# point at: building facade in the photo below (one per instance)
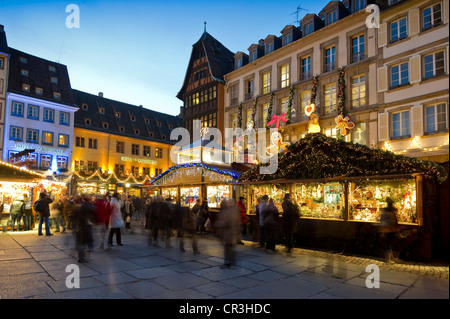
(39, 115)
(336, 62)
(118, 146)
(4, 64)
(202, 92)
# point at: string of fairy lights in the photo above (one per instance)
(417, 143)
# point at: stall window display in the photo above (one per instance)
(215, 194)
(188, 196)
(320, 200)
(367, 198)
(169, 192)
(276, 192)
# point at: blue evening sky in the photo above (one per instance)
(138, 51)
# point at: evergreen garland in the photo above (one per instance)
(269, 111)
(314, 89)
(341, 98)
(289, 108)
(254, 109)
(240, 116)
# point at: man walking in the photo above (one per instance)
(42, 206)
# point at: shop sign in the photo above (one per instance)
(39, 148)
(139, 160)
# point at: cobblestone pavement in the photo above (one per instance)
(35, 267)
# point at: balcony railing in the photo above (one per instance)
(329, 66)
(356, 57)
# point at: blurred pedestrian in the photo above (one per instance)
(388, 229)
(290, 220)
(263, 202)
(188, 229)
(241, 206)
(28, 213)
(155, 219)
(17, 211)
(103, 210)
(116, 222)
(84, 214)
(41, 206)
(202, 216)
(57, 212)
(228, 228)
(271, 215)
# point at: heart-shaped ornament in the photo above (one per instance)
(309, 109)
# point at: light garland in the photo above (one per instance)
(22, 169)
(388, 147)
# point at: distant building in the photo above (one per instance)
(119, 146)
(203, 87)
(39, 114)
(4, 64)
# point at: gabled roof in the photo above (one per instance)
(145, 120)
(39, 75)
(3, 43)
(220, 60)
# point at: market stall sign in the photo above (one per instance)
(139, 160)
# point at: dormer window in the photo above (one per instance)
(133, 118)
(170, 126)
(57, 95)
(51, 68)
(54, 80)
(121, 128)
(308, 28)
(137, 132)
(147, 121)
(87, 121)
(26, 87)
(253, 55)
(332, 17)
(24, 72)
(158, 123)
(287, 38)
(84, 106)
(269, 48)
(102, 110)
(39, 91)
(105, 125)
(118, 115)
(239, 63)
(23, 60)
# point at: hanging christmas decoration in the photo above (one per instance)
(276, 119)
(254, 109)
(240, 116)
(289, 106)
(310, 109)
(269, 110)
(343, 124)
(277, 144)
(341, 92)
(314, 89)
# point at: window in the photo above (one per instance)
(287, 39)
(398, 30)
(305, 71)
(234, 120)
(15, 133)
(64, 118)
(249, 89)
(118, 114)
(253, 56)
(284, 105)
(24, 72)
(84, 106)
(265, 112)
(119, 169)
(269, 48)
(101, 110)
(359, 91)
(17, 109)
(121, 128)
(436, 118)
(61, 162)
(357, 49)
(26, 87)
(305, 99)
(146, 151)
(63, 140)
(234, 94)
(359, 134)
(54, 80)
(399, 74)
(92, 143)
(284, 74)
(57, 95)
(330, 59)
(158, 123)
(23, 60)
(47, 138)
(135, 149)
(2, 63)
(433, 64)
(120, 147)
(79, 141)
(400, 124)
(332, 17)
(137, 131)
(51, 68)
(32, 136)
(33, 112)
(308, 29)
(330, 98)
(49, 115)
(359, 5)
(266, 82)
(133, 118)
(39, 91)
(432, 16)
(158, 152)
(46, 161)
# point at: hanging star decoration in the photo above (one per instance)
(276, 119)
(343, 124)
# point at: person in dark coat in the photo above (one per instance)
(188, 228)
(270, 214)
(84, 216)
(42, 207)
(155, 219)
(228, 229)
(28, 213)
(16, 211)
(290, 219)
(388, 228)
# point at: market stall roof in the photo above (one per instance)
(205, 143)
(317, 156)
(9, 172)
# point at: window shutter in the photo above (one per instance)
(417, 120)
(382, 79)
(446, 11)
(415, 75)
(383, 126)
(414, 22)
(382, 35)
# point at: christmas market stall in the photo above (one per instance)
(340, 189)
(16, 182)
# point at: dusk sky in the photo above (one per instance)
(138, 51)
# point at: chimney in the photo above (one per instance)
(100, 94)
(2, 28)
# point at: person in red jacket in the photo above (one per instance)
(241, 206)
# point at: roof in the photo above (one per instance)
(220, 59)
(131, 118)
(3, 43)
(39, 75)
(206, 144)
(317, 156)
